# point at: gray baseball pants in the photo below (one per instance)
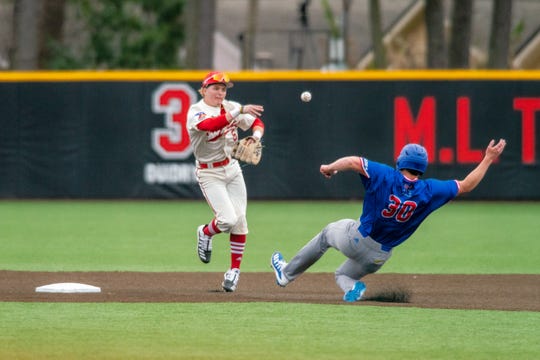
(364, 254)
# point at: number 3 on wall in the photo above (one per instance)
(173, 100)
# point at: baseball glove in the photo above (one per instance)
(248, 150)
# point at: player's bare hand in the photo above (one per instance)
(254, 110)
(327, 171)
(494, 150)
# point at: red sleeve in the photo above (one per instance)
(213, 124)
(258, 122)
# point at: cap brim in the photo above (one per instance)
(227, 85)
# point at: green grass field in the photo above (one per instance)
(463, 237)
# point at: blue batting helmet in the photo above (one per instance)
(414, 157)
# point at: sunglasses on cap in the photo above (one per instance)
(217, 77)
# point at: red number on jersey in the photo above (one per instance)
(400, 211)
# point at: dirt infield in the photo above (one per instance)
(488, 292)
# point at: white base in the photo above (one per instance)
(68, 288)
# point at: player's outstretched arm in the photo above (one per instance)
(352, 163)
(473, 179)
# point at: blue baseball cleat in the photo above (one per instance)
(278, 264)
(355, 293)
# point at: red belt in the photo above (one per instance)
(214, 165)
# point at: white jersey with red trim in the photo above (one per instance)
(214, 146)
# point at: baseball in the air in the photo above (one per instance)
(306, 96)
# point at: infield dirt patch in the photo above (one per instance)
(488, 292)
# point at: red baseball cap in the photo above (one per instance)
(217, 77)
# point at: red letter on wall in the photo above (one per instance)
(420, 130)
(528, 108)
(464, 153)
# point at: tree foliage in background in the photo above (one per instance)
(125, 34)
(330, 19)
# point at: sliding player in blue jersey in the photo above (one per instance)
(396, 202)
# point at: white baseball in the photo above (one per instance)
(306, 96)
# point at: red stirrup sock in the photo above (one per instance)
(238, 243)
(211, 229)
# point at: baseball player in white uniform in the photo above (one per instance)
(213, 124)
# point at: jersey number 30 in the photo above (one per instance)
(401, 211)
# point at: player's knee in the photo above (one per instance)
(227, 223)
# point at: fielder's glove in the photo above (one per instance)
(248, 150)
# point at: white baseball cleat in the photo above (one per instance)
(204, 245)
(230, 280)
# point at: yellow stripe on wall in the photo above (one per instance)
(279, 75)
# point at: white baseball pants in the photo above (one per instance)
(225, 192)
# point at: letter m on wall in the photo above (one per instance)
(411, 129)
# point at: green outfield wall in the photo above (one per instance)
(122, 134)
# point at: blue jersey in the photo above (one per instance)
(395, 206)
